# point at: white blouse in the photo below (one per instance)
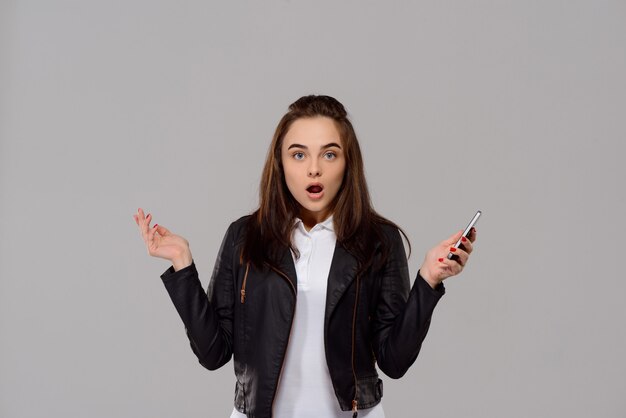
(305, 388)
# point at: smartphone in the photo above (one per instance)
(452, 256)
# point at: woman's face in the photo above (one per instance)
(314, 162)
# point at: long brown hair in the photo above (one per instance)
(356, 223)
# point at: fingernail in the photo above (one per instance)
(147, 215)
(463, 239)
(155, 225)
(441, 260)
(452, 249)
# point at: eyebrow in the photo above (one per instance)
(332, 144)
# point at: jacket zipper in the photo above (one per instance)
(243, 299)
(282, 363)
(356, 386)
(243, 285)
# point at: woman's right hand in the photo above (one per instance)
(160, 242)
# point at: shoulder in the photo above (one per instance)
(240, 223)
(389, 231)
(391, 237)
(237, 229)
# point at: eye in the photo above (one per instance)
(298, 155)
(330, 155)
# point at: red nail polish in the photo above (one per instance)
(155, 225)
(441, 260)
(452, 249)
(463, 239)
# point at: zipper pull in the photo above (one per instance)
(243, 285)
(354, 408)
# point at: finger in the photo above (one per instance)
(466, 245)
(449, 267)
(472, 234)
(162, 230)
(453, 238)
(446, 267)
(141, 215)
(153, 231)
(151, 237)
(461, 255)
(140, 218)
(138, 222)
(146, 224)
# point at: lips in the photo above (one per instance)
(315, 191)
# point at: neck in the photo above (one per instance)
(310, 219)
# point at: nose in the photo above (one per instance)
(314, 169)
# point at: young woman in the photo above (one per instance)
(312, 289)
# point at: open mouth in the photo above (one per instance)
(314, 189)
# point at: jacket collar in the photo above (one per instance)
(342, 272)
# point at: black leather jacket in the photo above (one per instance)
(375, 318)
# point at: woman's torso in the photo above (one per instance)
(305, 388)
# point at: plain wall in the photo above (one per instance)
(512, 107)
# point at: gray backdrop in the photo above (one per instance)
(514, 108)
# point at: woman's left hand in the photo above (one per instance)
(436, 267)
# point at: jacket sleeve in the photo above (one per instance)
(208, 317)
(402, 314)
